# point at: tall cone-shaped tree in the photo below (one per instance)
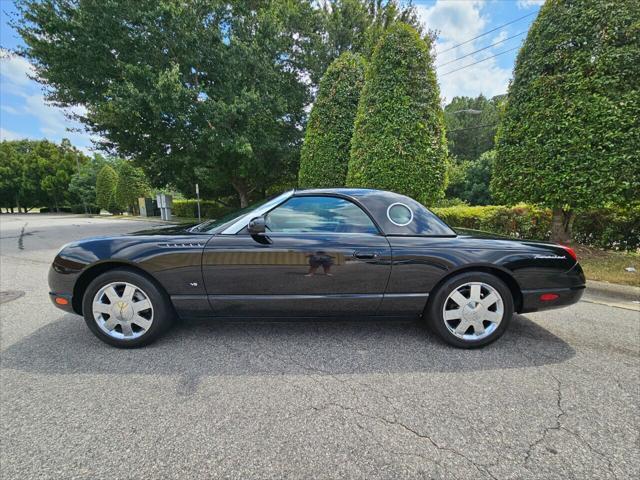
(106, 182)
(325, 153)
(570, 136)
(399, 142)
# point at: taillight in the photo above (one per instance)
(570, 251)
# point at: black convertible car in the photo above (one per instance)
(312, 253)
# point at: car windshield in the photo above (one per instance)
(218, 224)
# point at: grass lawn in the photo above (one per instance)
(609, 266)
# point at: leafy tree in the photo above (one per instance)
(357, 25)
(398, 142)
(10, 176)
(569, 138)
(37, 173)
(105, 189)
(469, 179)
(131, 185)
(471, 125)
(325, 153)
(209, 90)
(82, 186)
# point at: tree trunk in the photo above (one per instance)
(561, 225)
(243, 192)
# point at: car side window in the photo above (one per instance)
(309, 214)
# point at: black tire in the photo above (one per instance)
(163, 313)
(435, 316)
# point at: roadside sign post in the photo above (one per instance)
(198, 200)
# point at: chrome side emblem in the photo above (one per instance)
(193, 284)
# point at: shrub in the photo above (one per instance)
(325, 153)
(105, 188)
(522, 221)
(398, 142)
(609, 228)
(469, 179)
(569, 137)
(131, 185)
(606, 228)
(209, 209)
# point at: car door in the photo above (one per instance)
(320, 256)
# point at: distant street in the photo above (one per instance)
(557, 397)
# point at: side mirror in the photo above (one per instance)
(257, 226)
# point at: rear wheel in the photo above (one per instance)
(125, 309)
(470, 310)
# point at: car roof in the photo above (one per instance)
(377, 203)
(350, 192)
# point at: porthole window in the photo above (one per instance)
(399, 214)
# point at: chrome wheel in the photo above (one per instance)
(122, 310)
(473, 311)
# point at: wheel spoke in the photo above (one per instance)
(101, 307)
(141, 305)
(127, 295)
(112, 295)
(126, 329)
(459, 298)
(475, 292)
(453, 314)
(493, 317)
(478, 328)
(462, 327)
(111, 323)
(141, 322)
(489, 300)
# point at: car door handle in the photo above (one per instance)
(365, 255)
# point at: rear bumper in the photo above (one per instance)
(532, 302)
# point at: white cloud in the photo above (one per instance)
(10, 109)
(49, 121)
(9, 135)
(529, 3)
(457, 22)
(14, 69)
(500, 37)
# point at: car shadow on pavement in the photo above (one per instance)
(207, 348)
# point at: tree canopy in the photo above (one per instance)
(325, 153)
(106, 182)
(570, 136)
(209, 91)
(471, 125)
(131, 185)
(36, 173)
(399, 141)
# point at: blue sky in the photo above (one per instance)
(25, 114)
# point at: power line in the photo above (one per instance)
(480, 50)
(479, 61)
(488, 32)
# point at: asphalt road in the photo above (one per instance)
(556, 398)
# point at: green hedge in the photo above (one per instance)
(209, 209)
(607, 228)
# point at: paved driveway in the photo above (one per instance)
(556, 397)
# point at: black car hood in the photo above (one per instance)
(182, 229)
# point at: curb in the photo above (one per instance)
(613, 290)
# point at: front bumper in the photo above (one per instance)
(532, 301)
(58, 300)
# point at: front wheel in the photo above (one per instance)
(125, 309)
(470, 310)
